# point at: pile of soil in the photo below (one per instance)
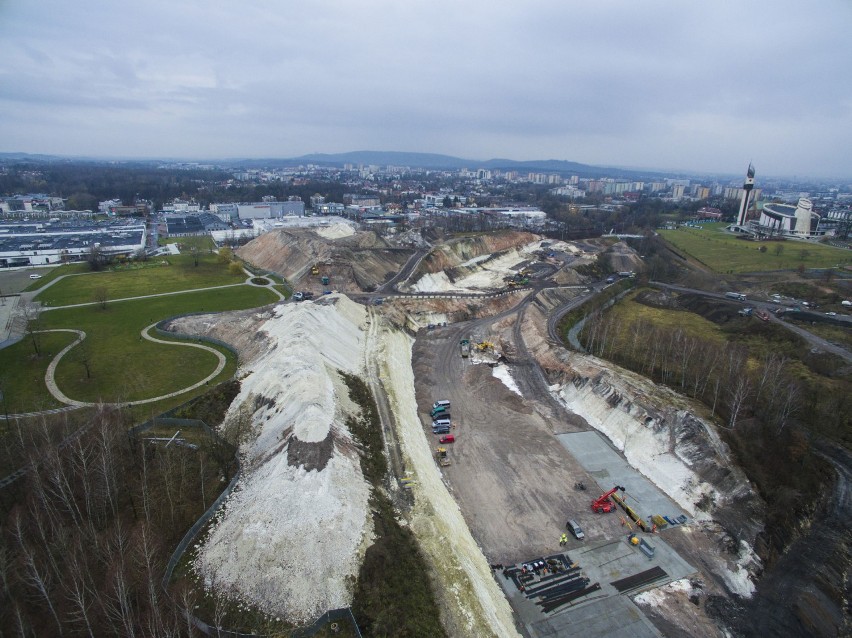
(353, 263)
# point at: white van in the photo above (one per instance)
(442, 403)
(437, 423)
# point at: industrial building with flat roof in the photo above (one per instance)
(37, 243)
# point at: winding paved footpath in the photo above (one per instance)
(71, 404)
(50, 381)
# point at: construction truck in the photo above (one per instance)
(315, 269)
(325, 280)
(603, 504)
(464, 345)
(441, 456)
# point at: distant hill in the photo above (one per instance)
(444, 162)
(431, 161)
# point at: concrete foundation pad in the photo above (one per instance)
(601, 460)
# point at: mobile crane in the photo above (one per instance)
(603, 504)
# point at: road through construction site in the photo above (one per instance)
(519, 450)
(514, 481)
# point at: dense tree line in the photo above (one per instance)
(86, 534)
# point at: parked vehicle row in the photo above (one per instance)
(441, 421)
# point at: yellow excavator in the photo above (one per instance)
(441, 456)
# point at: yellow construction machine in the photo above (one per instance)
(441, 456)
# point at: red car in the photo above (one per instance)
(447, 438)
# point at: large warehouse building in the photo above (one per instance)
(54, 242)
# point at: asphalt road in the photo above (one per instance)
(814, 340)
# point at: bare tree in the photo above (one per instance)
(34, 576)
(147, 561)
(789, 405)
(32, 316)
(187, 604)
(739, 393)
(101, 296)
(118, 604)
(80, 590)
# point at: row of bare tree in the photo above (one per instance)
(721, 375)
(86, 534)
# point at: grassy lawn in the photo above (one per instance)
(724, 253)
(22, 373)
(201, 242)
(49, 275)
(170, 274)
(628, 312)
(122, 366)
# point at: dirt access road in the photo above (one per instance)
(509, 474)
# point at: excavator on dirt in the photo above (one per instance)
(603, 504)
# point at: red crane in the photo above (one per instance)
(603, 504)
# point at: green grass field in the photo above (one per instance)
(123, 367)
(628, 312)
(160, 275)
(724, 253)
(22, 373)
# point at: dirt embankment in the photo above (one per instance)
(353, 263)
(622, 258)
(450, 256)
(666, 437)
(290, 538)
(414, 314)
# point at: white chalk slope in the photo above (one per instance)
(489, 275)
(288, 538)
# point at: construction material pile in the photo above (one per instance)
(292, 533)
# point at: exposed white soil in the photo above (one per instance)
(505, 375)
(656, 597)
(488, 274)
(677, 450)
(289, 540)
(335, 231)
(472, 602)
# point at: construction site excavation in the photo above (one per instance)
(548, 491)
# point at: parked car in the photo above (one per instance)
(575, 529)
(298, 296)
(447, 438)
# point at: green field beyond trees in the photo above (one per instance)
(724, 253)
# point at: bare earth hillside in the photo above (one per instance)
(353, 262)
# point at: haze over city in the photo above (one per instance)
(705, 87)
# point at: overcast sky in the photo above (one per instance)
(693, 86)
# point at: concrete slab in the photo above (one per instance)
(607, 612)
(605, 617)
(601, 460)
(607, 562)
